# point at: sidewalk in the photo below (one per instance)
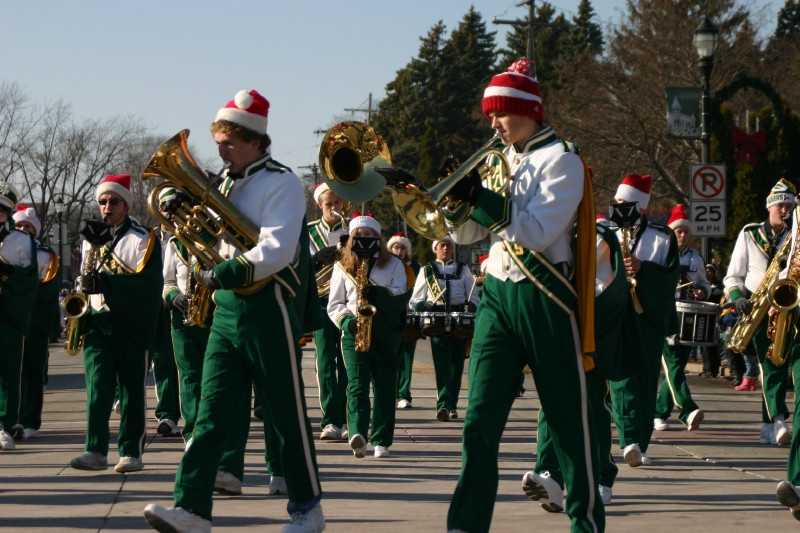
(717, 480)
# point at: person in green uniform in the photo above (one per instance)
(446, 286)
(124, 293)
(537, 302)
(545, 483)
(382, 286)
(254, 330)
(755, 248)
(674, 389)
(18, 283)
(45, 326)
(399, 246)
(325, 237)
(651, 262)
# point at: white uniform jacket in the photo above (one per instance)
(177, 268)
(695, 269)
(650, 242)
(271, 197)
(458, 290)
(344, 295)
(544, 193)
(750, 259)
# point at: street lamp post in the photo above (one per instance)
(60, 212)
(705, 42)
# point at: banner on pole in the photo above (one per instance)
(683, 112)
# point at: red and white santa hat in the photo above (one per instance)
(678, 217)
(635, 188)
(321, 189)
(247, 109)
(399, 238)
(119, 184)
(437, 242)
(365, 220)
(515, 91)
(26, 213)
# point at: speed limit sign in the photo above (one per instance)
(708, 219)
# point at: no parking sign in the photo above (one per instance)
(707, 195)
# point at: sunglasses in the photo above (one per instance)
(113, 202)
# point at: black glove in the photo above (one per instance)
(96, 232)
(467, 189)
(471, 307)
(743, 306)
(326, 256)
(448, 165)
(370, 293)
(396, 176)
(352, 325)
(174, 201)
(6, 269)
(207, 279)
(94, 283)
(179, 302)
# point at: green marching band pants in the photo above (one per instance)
(331, 373)
(518, 324)
(773, 379)
(793, 366)
(405, 369)
(240, 349)
(448, 363)
(189, 345)
(674, 390)
(165, 371)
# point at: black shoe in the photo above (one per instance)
(442, 415)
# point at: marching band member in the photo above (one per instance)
(45, 326)
(253, 337)
(651, 259)
(165, 371)
(611, 299)
(788, 490)
(530, 219)
(674, 390)
(326, 234)
(382, 285)
(445, 285)
(400, 246)
(755, 247)
(120, 327)
(18, 283)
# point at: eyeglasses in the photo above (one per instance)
(113, 202)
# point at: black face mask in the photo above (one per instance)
(366, 246)
(624, 214)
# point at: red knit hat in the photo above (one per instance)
(635, 188)
(515, 91)
(678, 217)
(119, 184)
(248, 109)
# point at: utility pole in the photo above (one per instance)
(531, 47)
(368, 110)
(314, 168)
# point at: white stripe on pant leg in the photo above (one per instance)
(587, 445)
(19, 383)
(670, 386)
(316, 373)
(764, 389)
(298, 393)
(144, 403)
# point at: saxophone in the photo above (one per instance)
(365, 311)
(198, 301)
(746, 326)
(76, 304)
(784, 295)
(626, 254)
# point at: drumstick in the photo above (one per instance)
(682, 285)
(469, 296)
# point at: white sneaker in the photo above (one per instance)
(29, 433)
(403, 404)
(227, 483)
(343, 435)
(277, 485)
(632, 455)
(605, 494)
(453, 414)
(782, 434)
(542, 488)
(167, 428)
(312, 521)
(330, 432)
(659, 424)
(694, 419)
(381, 451)
(6, 440)
(359, 445)
(767, 435)
(646, 461)
(89, 461)
(789, 496)
(129, 464)
(175, 519)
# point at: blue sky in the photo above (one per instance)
(173, 64)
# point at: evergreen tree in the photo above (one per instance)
(789, 21)
(587, 37)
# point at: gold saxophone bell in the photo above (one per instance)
(75, 305)
(784, 295)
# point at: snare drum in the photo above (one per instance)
(697, 323)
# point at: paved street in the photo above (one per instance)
(719, 479)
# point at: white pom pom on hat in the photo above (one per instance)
(248, 109)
